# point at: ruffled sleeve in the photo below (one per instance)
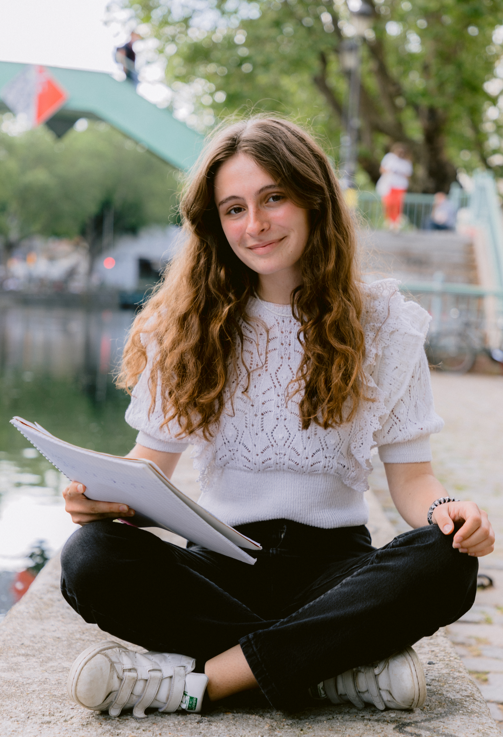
(404, 437)
(151, 435)
(400, 416)
(399, 368)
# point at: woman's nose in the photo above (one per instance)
(257, 222)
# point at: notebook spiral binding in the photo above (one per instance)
(12, 422)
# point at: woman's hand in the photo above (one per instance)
(475, 536)
(83, 510)
(414, 487)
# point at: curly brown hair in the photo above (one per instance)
(195, 316)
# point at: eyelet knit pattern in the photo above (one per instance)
(260, 440)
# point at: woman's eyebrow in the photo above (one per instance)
(238, 197)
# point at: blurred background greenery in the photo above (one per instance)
(431, 72)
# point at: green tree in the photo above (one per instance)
(428, 72)
(78, 185)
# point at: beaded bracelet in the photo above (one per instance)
(437, 503)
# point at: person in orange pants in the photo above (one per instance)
(396, 170)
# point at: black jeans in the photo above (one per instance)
(316, 603)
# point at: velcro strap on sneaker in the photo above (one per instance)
(149, 693)
(176, 690)
(129, 677)
(330, 688)
(373, 686)
(349, 687)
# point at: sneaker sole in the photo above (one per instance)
(83, 660)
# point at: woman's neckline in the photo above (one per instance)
(274, 308)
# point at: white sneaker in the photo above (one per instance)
(107, 676)
(394, 683)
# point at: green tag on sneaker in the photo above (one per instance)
(192, 705)
(189, 703)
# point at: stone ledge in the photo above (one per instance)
(42, 635)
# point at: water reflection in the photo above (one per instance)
(31, 509)
(55, 369)
(70, 343)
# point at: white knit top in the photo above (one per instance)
(261, 465)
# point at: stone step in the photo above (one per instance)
(42, 635)
(419, 256)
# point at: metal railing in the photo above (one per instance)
(416, 209)
(447, 302)
(485, 212)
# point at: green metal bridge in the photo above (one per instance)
(97, 96)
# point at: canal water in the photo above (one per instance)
(56, 369)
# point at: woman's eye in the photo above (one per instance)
(235, 210)
(276, 198)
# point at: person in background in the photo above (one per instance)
(443, 214)
(126, 57)
(396, 170)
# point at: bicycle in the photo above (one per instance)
(454, 346)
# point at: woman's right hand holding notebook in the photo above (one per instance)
(83, 510)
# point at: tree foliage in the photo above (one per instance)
(65, 188)
(428, 72)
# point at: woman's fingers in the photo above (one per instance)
(476, 529)
(447, 515)
(79, 518)
(473, 520)
(83, 510)
(479, 550)
(478, 546)
(475, 536)
(481, 542)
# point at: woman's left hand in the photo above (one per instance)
(475, 536)
(413, 487)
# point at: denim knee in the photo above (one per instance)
(449, 576)
(83, 552)
(88, 561)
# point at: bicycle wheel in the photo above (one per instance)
(451, 351)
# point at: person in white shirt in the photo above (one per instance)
(396, 170)
(265, 351)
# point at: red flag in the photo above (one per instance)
(50, 96)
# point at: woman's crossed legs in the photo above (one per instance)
(315, 604)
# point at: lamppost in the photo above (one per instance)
(350, 56)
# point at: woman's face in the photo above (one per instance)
(265, 229)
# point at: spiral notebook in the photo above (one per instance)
(142, 486)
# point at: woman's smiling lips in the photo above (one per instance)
(264, 247)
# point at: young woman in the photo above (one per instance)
(265, 351)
